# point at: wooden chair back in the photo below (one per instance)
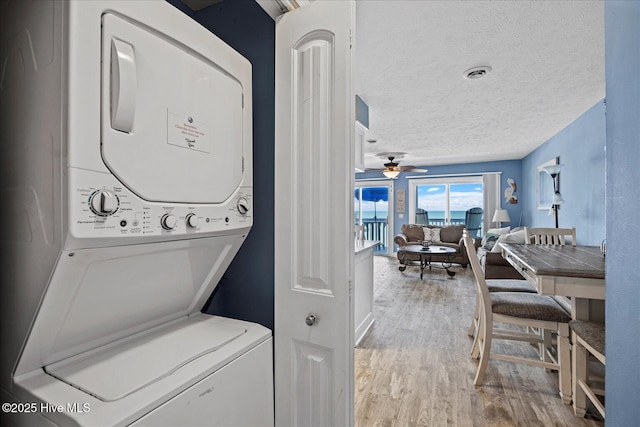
(481, 283)
(549, 236)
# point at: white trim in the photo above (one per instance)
(450, 178)
(492, 200)
(374, 179)
(543, 178)
(450, 175)
(359, 147)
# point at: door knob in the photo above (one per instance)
(310, 320)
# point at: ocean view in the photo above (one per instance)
(433, 215)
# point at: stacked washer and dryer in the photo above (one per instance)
(127, 191)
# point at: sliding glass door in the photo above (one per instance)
(373, 210)
(444, 201)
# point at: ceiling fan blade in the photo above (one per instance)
(413, 169)
(394, 166)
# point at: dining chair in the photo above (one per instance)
(587, 338)
(497, 285)
(523, 309)
(549, 236)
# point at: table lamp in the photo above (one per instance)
(500, 216)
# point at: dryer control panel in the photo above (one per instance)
(100, 206)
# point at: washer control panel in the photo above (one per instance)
(108, 209)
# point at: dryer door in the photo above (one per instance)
(172, 122)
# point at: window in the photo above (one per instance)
(444, 201)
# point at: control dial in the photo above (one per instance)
(242, 205)
(168, 221)
(192, 220)
(104, 202)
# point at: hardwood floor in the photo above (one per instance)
(414, 368)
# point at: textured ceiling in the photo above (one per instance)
(547, 60)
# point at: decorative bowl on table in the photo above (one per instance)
(425, 243)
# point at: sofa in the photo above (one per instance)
(490, 255)
(450, 236)
(496, 267)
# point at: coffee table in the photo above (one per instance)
(426, 254)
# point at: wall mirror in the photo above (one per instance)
(544, 187)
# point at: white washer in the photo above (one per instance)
(134, 207)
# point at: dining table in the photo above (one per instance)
(577, 272)
(572, 271)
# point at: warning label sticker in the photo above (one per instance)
(185, 131)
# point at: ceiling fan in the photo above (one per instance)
(392, 169)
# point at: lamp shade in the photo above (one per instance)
(390, 173)
(501, 215)
(553, 169)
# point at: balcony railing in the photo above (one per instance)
(376, 229)
(441, 221)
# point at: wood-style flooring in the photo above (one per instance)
(414, 368)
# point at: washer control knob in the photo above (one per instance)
(192, 220)
(104, 202)
(243, 205)
(168, 221)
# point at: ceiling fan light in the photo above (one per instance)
(391, 173)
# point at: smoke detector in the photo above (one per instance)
(477, 72)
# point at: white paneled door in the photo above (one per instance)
(314, 163)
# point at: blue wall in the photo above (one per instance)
(509, 169)
(622, 43)
(581, 148)
(246, 289)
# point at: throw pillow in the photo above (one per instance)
(432, 234)
(515, 237)
(498, 231)
(503, 230)
(490, 240)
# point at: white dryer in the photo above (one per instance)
(133, 195)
